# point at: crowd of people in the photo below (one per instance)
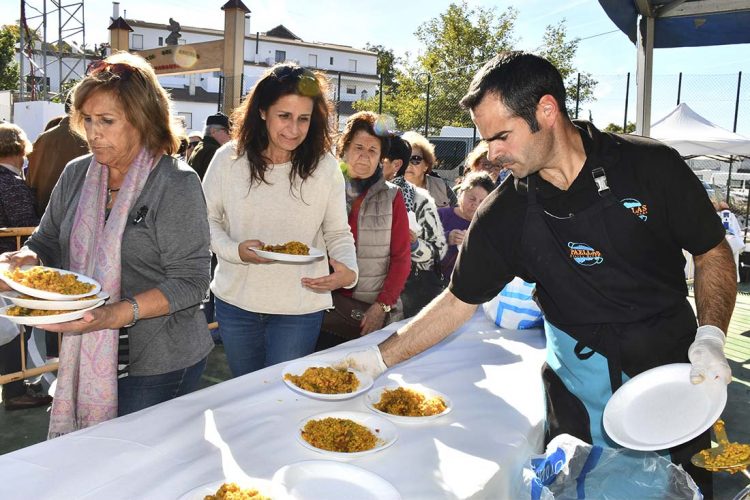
(144, 211)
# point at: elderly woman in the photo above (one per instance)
(476, 161)
(427, 240)
(419, 170)
(378, 220)
(455, 220)
(16, 210)
(17, 207)
(274, 184)
(133, 217)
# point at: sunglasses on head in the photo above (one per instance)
(416, 159)
(305, 80)
(120, 70)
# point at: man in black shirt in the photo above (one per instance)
(598, 221)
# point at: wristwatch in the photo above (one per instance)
(136, 311)
(385, 307)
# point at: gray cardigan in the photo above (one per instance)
(167, 250)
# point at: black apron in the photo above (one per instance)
(609, 311)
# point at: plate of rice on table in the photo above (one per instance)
(30, 302)
(49, 283)
(291, 251)
(33, 317)
(346, 434)
(412, 404)
(319, 380)
(231, 489)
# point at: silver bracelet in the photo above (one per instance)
(136, 311)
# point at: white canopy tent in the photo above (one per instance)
(692, 135)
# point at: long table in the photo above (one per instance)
(475, 451)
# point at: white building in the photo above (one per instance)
(197, 95)
(352, 72)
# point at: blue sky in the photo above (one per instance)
(609, 57)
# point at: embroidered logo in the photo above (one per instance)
(639, 209)
(584, 255)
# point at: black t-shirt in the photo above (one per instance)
(669, 196)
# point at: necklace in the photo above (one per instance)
(109, 195)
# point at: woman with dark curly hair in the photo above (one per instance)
(276, 182)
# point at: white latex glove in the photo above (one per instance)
(706, 354)
(368, 361)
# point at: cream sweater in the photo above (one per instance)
(314, 212)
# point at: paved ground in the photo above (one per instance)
(24, 428)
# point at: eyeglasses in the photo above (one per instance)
(193, 144)
(416, 159)
(120, 70)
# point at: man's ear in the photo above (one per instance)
(547, 110)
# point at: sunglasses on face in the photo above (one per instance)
(193, 144)
(416, 159)
(120, 70)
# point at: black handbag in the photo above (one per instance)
(422, 286)
(345, 317)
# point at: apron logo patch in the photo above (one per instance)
(584, 255)
(639, 209)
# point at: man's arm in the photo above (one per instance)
(715, 286)
(437, 320)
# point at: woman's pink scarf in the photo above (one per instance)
(86, 391)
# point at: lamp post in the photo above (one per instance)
(424, 76)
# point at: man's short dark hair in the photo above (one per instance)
(399, 150)
(520, 80)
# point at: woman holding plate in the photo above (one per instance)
(276, 183)
(132, 217)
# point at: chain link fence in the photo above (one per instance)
(428, 104)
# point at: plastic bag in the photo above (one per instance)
(573, 469)
(8, 329)
(514, 307)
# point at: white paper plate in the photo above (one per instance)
(299, 367)
(660, 408)
(287, 257)
(316, 479)
(373, 397)
(264, 486)
(49, 295)
(47, 320)
(54, 305)
(382, 428)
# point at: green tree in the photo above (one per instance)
(629, 128)
(9, 72)
(387, 61)
(457, 42)
(560, 51)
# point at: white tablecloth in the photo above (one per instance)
(476, 451)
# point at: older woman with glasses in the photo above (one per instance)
(477, 161)
(276, 182)
(133, 217)
(419, 171)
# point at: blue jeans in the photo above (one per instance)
(137, 393)
(254, 340)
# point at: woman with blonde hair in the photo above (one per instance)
(419, 170)
(133, 217)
